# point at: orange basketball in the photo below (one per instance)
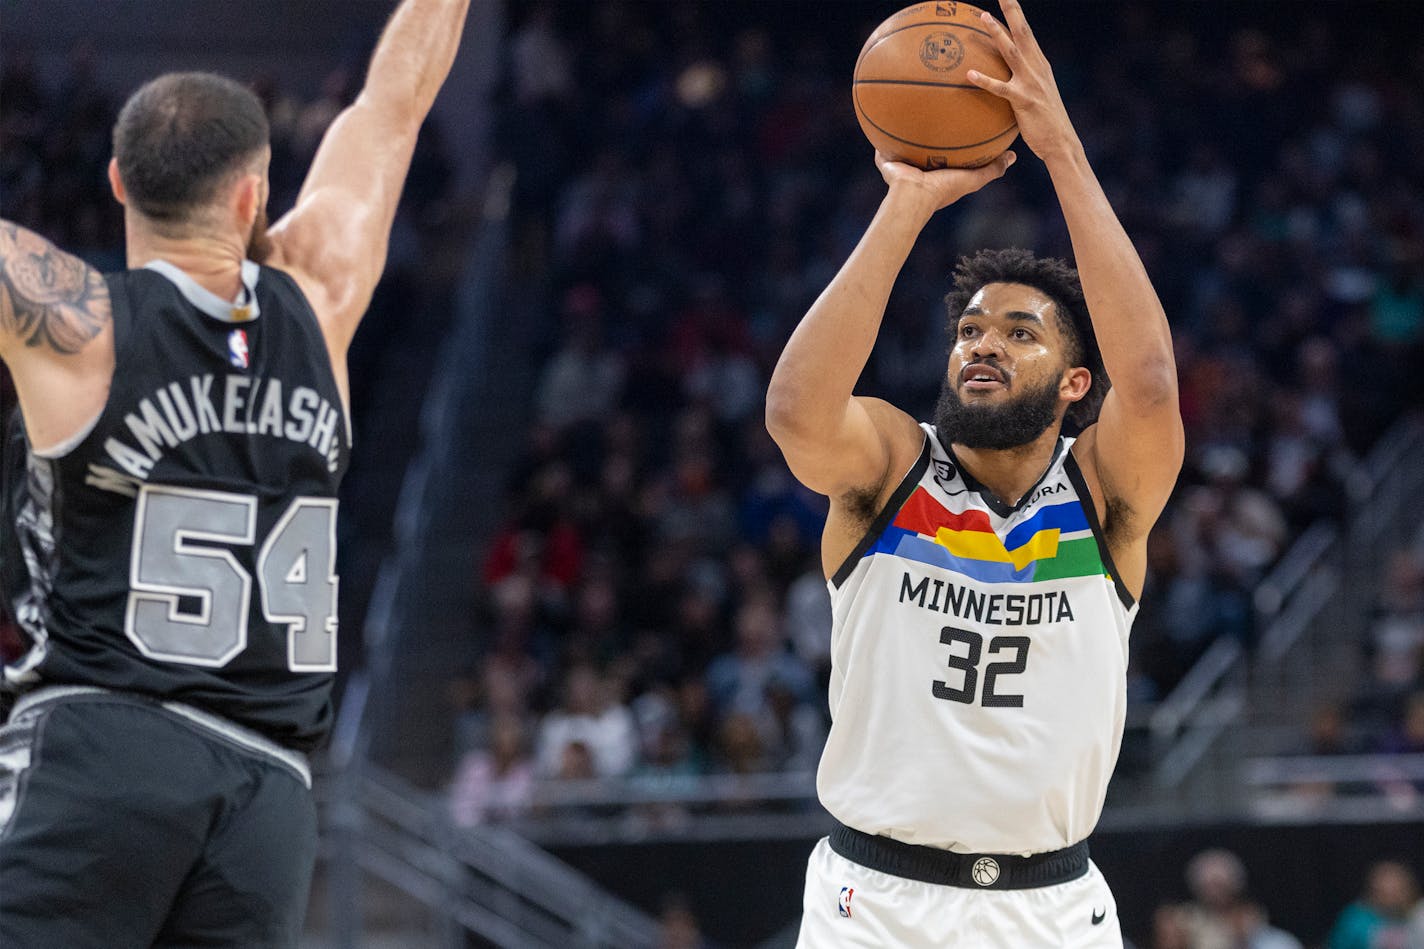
(913, 97)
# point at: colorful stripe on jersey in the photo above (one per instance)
(1054, 543)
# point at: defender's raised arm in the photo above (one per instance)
(334, 240)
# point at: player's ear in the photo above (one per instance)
(1076, 382)
(116, 183)
(247, 198)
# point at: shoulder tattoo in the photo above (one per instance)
(49, 299)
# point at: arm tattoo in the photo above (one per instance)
(48, 298)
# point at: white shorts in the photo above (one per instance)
(847, 904)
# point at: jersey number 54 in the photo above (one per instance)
(172, 563)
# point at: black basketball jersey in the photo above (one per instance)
(185, 547)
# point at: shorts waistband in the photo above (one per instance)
(976, 871)
(219, 727)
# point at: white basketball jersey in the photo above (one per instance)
(979, 665)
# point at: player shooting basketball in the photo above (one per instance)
(186, 429)
(984, 569)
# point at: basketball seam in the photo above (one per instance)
(916, 82)
(937, 148)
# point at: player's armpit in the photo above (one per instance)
(854, 457)
(51, 303)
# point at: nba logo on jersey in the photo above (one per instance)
(237, 348)
(846, 893)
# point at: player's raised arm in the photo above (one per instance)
(834, 442)
(334, 240)
(53, 307)
(1137, 445)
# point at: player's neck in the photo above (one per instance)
(1012, 472)
(214, 262)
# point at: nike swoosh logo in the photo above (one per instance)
(1099, 917)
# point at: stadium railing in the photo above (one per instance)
(1310, 611)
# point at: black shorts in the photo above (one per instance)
(129, 824)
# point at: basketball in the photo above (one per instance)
(913, 96)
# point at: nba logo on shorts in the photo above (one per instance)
(237, 348)
(846, 893)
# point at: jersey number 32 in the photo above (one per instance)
(172, 563)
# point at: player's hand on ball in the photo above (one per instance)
(944, 186)
(1031, 90)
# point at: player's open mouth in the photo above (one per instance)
(980, 376)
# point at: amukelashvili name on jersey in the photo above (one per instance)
(239, 404)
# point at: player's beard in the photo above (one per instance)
(1009, 424)
(259, 245)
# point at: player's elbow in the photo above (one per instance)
(1151, 387)
(786, 415)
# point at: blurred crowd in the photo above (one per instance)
(1221, 913)
(1383, 714)
(691, 176)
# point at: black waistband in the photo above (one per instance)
(987, 871)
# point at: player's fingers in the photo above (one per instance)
(882, 160)
(1019, 29)
(1002, 163)
(1002, 41)
(998, 87)
(981, 176)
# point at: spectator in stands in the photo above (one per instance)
(584, 378)
(1406, 737)
(740, 748)
(495, 783)
(575, 763)
(592, 720)
(677, 926)
(541, 544)
(1395, 643)
(596, 633)
(500, 688)
(807, 617)
(1171, 927)
(795, 732)
(1381, 918)
(1217, 880)
(1243, 526)
(740, 682)
(1250, 929)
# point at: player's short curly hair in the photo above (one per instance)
(1056, 279)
